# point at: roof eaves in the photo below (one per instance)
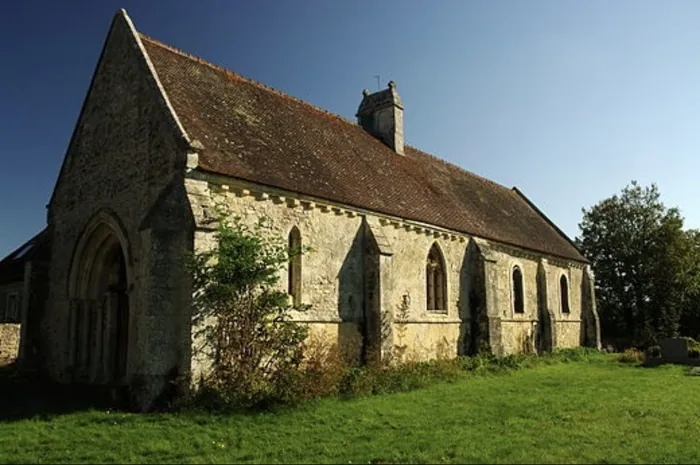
(364, 210)
(572, 254)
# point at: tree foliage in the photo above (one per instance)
(242, 317)
(647, 266)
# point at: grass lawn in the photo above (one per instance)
(597, 411)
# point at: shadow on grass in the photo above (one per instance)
(24, 397)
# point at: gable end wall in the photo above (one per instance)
(127, 157)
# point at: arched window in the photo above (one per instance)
(564, 290)
(436, 280)
(294, 271)
(518, 297)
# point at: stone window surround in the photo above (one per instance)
(444, 284)
(14, 314)
(568, 294)
(516, 264)
(294, 267)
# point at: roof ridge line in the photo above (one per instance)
(216, 67)
(508, 191)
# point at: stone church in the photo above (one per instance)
(399, 236)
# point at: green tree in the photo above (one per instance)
(690, 318)
(242, 317)
(646, 265)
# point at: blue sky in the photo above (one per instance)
(569, 101)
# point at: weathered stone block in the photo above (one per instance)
(9, 342)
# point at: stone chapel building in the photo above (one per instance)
(163, 136)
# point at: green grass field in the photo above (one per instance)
(580, 412)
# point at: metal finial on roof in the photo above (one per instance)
(392, 85)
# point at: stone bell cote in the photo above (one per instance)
(381, 114)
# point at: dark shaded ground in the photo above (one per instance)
(24, 396)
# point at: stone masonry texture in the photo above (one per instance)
(132, 170)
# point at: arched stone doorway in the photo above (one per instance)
(98, 345)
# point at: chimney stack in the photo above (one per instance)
(381, 114)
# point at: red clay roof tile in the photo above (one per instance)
(253, 132)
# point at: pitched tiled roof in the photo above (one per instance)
(12, 266)
(252, 132)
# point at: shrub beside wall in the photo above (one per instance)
(260, 357)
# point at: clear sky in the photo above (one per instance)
(568, 100)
